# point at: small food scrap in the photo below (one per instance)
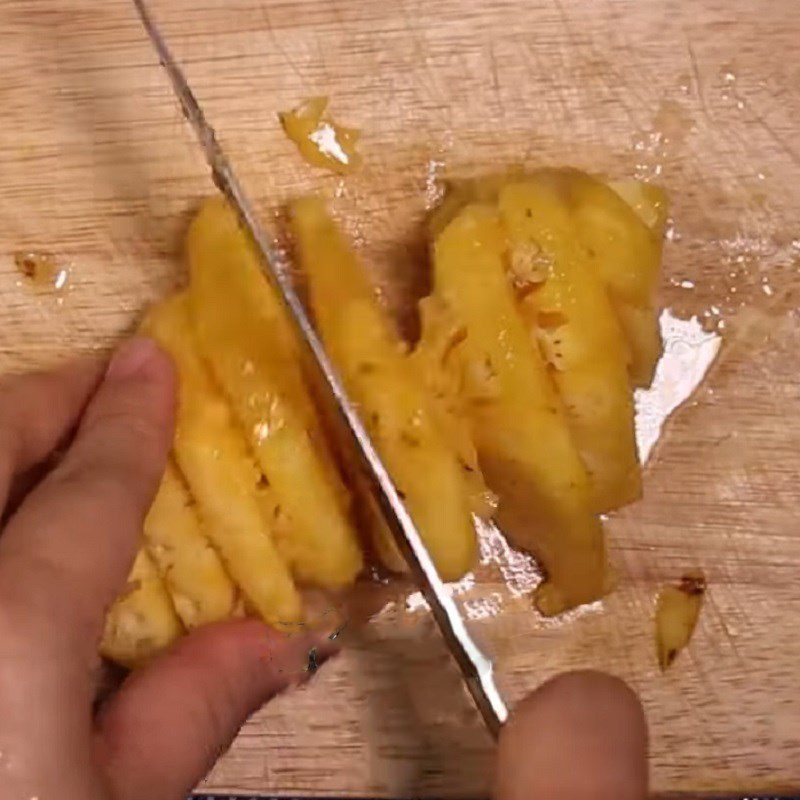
(42, 269)
(677, 610)
(321, 142)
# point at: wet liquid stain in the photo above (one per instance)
(756, 267)
(42, 270)
(730, 89)
(661, 141)
(321, 141)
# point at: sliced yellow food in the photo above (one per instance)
(394, 404)
(462, 192)
(567, 307)
(519, 425)
(432, 360)
(200, 589)
(212, 454)
(142, 621)
(625, 253)
(641, 323)
(620, 225)
(242, 331)
(677, 611)
(321, 141)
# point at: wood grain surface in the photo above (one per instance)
(98, 169)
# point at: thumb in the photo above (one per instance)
(165, 728)
(581, 736)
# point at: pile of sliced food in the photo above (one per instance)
(515, 404)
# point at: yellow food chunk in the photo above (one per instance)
(519, 425)
(623, 249)
(200, 589)
(462, 192)
(212, 454)
(622, 238)
(242, 330)
(626, 255)
(142, 621)
(321, 141)
(566, 306)
(432, 359)
(677, 611)
(393, 401)
(43, 270)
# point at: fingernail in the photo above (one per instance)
(320, 648)
(317, 656)
(132, 358)
(322, 652)
(317, 649)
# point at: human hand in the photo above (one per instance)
(580, 736)
(64, 555)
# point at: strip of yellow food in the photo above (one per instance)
(142, 621)
(523, 438)
(200, 589)
(393, 401)
(567, 307)
(626, 255)
(677, 611)
(431, 359)
(641, 323)
(242, 331)
(212, 454)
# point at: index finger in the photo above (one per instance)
(37, 411)
(65, 553)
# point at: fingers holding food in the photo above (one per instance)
(165, 727)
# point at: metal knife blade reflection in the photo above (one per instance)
(476, 668)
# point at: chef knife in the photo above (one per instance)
(476, 668)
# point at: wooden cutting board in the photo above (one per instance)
(98, 169)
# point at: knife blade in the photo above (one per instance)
(476, 668)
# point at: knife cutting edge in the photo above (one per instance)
(476, 668)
